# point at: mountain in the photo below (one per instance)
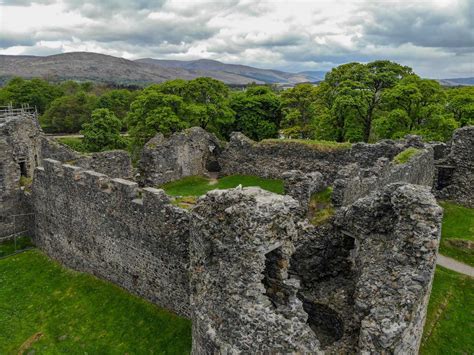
(457, 82)
(86, 66)
(250, 73)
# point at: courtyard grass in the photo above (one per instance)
(450, 317)
(197, 185)
(13, 245)
(75, 143)
(457, 231)
(47, 309)
(321, 207)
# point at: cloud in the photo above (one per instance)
(434, 37)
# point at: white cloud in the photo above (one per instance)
(431, 36)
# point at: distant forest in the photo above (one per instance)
(355, 103)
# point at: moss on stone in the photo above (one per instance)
(324, 146)
(404, 156)
(321, 207)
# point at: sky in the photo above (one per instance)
(434, 37)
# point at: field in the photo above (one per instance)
(48, 309)
(448, 328)
(457, 232)
(197, 186)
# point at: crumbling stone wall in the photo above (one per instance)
(354, 182)
(302, 186)
(114, 163)
(20, 153)
(455, 168)
(366, 275)
(191, 152)
(271, 159)
(243, 299)
(110, 228)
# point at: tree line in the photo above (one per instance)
(356, 102)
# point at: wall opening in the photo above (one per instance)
(275, 268)
(23, 168)
(324, 322)
(445, 176)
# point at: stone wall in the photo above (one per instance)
(243, 299)
(191, 152)
(271, 159)
(114, 163)
(20, 153)
(455, 168)
(354, 182)
(110, 228)
(366, 275)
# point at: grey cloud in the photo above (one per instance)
(421, 24)
(25, 2)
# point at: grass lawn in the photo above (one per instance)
(320, 206)
(11, 246)
(51, 310)
(74, 143)
(450, 318)
(458, 226)
(197, 185)
(324, 146)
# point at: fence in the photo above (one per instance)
(21, 239)
(24, 110)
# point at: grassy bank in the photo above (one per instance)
(448, 328)
(197, 186)
(457, 232)
(52, 310)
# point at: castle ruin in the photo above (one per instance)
(245, 265)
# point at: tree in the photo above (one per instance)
(298, 109)
(152, 112)
(102, 132)
(460, 102)
(207, 104)
(118, 101)
(36, 92)
(417, 106)
(353, 94)
(257, 112)
(67, 114)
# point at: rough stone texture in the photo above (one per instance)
(191, 152)
(366, 275)
(302, 186)
(354, 182)
(115, 163)
(396, 232)
(243, 299)
(20, 152)
(93, 223)
(455, 171)
(271, 159)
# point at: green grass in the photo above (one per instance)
(450, 317)
(197, 185)
(74, 143)
(320, 207)
(458, 225)
(324, 146)
(11, 246)
(52, 310)
(406, 155)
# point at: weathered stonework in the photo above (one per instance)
(271, 159)
(455, 168)
(243, 299)
(115, 163)
(191, 152)
(103, 226)
(354, 182)
(20, 153)
(302, 186)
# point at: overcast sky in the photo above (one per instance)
(435, 37)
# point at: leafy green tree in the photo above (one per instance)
(417, 106)
(152, 112)
(102, 132)
(118, 101)
(35, 92)
(67, 114)
(460, 102)
(257, 112)
(353, 93)
(299, 111)
(207, 104)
